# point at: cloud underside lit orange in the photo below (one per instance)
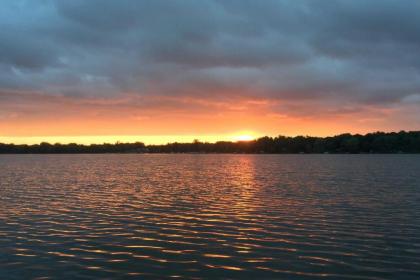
(160, 119)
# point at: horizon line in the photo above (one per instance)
(182, 139)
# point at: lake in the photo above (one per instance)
(134, 216)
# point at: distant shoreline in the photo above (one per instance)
(255, 154)
(372, 143)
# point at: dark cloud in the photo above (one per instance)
(358, 52)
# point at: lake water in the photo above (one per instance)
(209, 216)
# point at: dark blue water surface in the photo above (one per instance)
(210, 216)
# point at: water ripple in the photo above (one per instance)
(209, 216)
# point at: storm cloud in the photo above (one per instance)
(345, 55)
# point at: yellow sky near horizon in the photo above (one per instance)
(147, 139)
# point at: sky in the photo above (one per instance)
(161, 71)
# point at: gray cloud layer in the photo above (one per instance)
(343, 52)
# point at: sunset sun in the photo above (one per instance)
(244, 137)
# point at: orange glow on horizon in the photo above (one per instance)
(147, 139)
(163, 119)
(64, 120)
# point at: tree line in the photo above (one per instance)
(378, 142)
